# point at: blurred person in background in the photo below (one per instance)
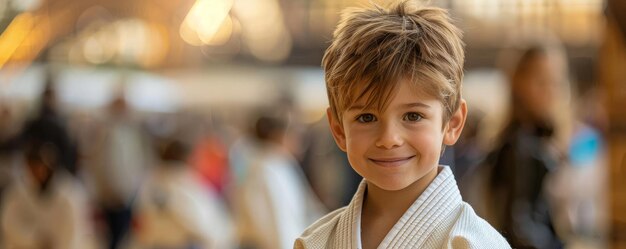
(119, 155)
(467, 151)
(8, 163)
(327, 167)
(174, 209)
(528, 150)
(581, 209)
(209, 157)
(45, 207)
(48, 125)
(274, 201)
(8, 130)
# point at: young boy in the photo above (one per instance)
(393, 78)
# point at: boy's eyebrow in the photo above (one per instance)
(356, 107)
(408, 105)
(416, 104)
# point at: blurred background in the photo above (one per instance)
(201, 123)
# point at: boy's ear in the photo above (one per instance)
(337, 129)
(455, 125)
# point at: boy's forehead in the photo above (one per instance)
(363, 97)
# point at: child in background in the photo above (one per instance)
(45, 207)
(174, 209)
(275, 202)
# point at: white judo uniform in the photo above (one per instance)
(275, 203)
(437, 219)
(58, 220)
(175, 211)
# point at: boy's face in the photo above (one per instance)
(400, 145)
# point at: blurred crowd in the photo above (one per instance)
(119, 178)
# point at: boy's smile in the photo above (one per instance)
(399, 145)
(391, 161)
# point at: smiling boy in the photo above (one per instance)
(393, 77)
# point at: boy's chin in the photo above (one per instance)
(418, 182)
(390, 185)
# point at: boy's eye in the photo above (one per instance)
(366, 118)
(412, 116)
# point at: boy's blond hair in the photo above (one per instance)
(373, 49)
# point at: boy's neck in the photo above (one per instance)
(384, 203)
(382, 209)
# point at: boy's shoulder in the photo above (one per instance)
(471, 231)
(319, 233)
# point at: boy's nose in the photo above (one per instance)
(390, 137)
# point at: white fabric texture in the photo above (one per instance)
(274, 203)
(437, 219)
(174, 209)
(118, 162)
(58, 220)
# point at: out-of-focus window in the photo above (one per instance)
(576, 22)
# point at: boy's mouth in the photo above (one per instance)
(391, 161)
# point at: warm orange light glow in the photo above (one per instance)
(14, 35)
(189, 35)
(157, 47)
(264, 30)
(204, 21)
(222, 35)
